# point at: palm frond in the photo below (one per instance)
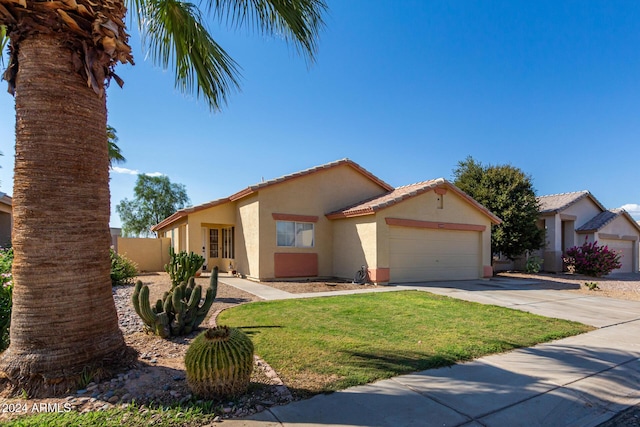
(176, 36)
(297, 21)
(4, 39)
(115, 154)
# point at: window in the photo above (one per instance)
(295, 234)
(228, 242)
(213, 243)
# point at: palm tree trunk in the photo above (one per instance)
(64, 319)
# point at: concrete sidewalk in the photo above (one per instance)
(578, 381)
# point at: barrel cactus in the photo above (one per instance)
(219, 363)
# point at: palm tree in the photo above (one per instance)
(62, 54)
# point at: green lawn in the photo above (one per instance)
(323, 344)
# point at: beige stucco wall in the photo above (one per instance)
(425, 208)
(354, 245)
(315, 194)
(149, 254)
(248, 237)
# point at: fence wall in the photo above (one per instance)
(149, 254)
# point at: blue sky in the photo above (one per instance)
(406, 89)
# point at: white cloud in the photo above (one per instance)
(126, 171)
(633, 209)
(118, 169)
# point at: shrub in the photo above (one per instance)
(6, 292)
(591, 259)
(533, 264)
(219, 363)
(123, 270)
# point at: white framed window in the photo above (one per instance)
(295, 234)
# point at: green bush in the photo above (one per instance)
(6, 292)
(123, 270)
(534, 263)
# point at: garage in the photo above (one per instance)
(417, 254)
(625, 247)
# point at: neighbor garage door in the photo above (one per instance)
(626, 248)
(417, 255)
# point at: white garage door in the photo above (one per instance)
(418, 255)
(626, 248)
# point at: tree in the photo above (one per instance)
(62, 55)
(507, 192)
(156, 198)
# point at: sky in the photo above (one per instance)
(406, 89)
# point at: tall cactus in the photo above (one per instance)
(182, 266)
(180, 311)
(219, 363)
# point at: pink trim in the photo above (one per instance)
(434, 225)
(379, 275)
(295, 264)
(487, 271)
(440, 191)
(293, 217)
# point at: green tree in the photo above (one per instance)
(61, 58)
(156, 198)
(507, 192)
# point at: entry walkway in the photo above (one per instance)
(577, 381)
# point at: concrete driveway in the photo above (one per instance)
(577, 381)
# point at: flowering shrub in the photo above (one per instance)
(592, 260)
(6, 291)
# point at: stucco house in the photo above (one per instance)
(330, 220)
(6, 220)
(570, 219)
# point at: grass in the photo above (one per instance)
(324, 344)
(130, 416)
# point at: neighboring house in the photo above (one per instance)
(570, 219)
(6, 220)
(330, 220)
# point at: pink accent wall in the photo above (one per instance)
(295, 264)
(379, 275)
(487, 271)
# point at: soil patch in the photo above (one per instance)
(309, 286)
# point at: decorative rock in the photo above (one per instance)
(114, 399)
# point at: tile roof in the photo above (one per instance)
(257, 187)
(371, 206)
(599, 221)
(376, 203)
(555, 203)
(559, 202)
(603, 218)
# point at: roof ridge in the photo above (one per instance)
(566, 193)
(442, 180)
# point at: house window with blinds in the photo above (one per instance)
(295, 234)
